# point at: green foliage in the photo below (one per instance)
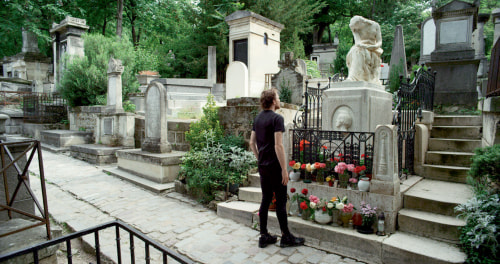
(485, 168)
(146, 60)
(285, 92)
(128, 106)
(85, 79)
(394, 76)
(414, 69)
(312, 69)
(214, 167)
(480, 238)
(208, 124)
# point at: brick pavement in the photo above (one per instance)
(82, 196)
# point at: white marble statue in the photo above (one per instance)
(115, 66)
(363, 60)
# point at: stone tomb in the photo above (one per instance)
(291, 76)
(155, 166)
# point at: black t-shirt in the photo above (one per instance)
(266, 123)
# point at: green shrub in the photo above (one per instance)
(312, 69)
(209, 123)
(479, 237)
(85, 79)
(485, 169)
(214, 167)
(394, 80)
(285, 92)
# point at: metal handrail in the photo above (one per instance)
(95, 230)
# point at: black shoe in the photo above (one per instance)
(291, 241)
(267, 239)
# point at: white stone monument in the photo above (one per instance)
(385, 166)
(255, 41)
(361, 102)
(237, 80)
(114, 97)
(156, 129)
(427, 40)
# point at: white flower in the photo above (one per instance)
(340, 206)
(313, 167)
(330, 205)
(312, 205)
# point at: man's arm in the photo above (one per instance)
(280, 153)
(253, 145)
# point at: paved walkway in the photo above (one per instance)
(81, 196)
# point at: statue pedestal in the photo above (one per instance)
(356, 106)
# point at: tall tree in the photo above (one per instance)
(119, 18)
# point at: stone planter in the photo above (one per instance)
(364, 184)
(294, 176)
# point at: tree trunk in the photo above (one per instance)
(104, 26)
(119, 19)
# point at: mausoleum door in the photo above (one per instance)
(241, 50)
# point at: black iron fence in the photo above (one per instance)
(412, 99)
(44, 108)
(133, 233)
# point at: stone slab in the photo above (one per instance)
(458, 132)
(250, 194)
(449, 158)
(406, 248)
(450, 120)
(241, 212)
(444, 144)
(157, 167)
(146, 184)
(254, 179)
(65, 138)
(95, 153)
(445, 173)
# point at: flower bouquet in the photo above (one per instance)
(295, 173)
(345, 209)
(300, 198)
(323, 209)
(343, 176)
(368, 214)
(320, 175)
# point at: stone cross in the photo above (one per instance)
(288, 61)
(114, 99)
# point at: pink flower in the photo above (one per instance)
(314, 199)
(348, 208)
(351, 167)
(353, 180)
(340, 168)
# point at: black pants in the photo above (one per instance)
(270, 181)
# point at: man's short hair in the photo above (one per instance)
(267, 97)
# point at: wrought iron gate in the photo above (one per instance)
(413, 98)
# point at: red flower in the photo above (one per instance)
(363, 167)
(291, 163)
(304, 191)
(363, 155)
(324, 147)
(324, 209)
(302, 143)
(303, 205)
(322, 165)
(292, 190)
(303, 166)
(316, 165)
(340, 155)
(336, 159)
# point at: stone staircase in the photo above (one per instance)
(428, 207)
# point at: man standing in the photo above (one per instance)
(266, 142)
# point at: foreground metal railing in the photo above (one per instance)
(118, 225)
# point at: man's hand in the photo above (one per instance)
(284, 177)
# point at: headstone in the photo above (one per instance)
(255, 41)
(212, 64)
(114, 98)
(454, 58)
(30, 42)
(427, 40)
(384, 71)
(66, 39)
(398, 54)
(290, 77)
(236, 80)
(156, 129)
(363, 59)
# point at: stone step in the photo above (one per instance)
(436, 226)
(140, 181)
(94, 153)
(438, 197)
(457, 120)
(449, 158)
(250, 194)
(445, 173)
(397, 248)
(456, 132)
(238, 211)
(459, 145)
(65, 138)
(407, 248)
(254, 179)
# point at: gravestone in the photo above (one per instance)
(291, 77)
(427, 40)
(454, 58)
(156, 130)
(212, 64)
(398, 54)
(114, 96)
(237, 80)
(66, 39)
(30, 42)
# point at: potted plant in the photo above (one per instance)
(300, 198)
(320, 174)
(322, 210)
(368, 215)
(345, 209)
(295, 173)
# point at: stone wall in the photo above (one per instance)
(176, 133)
(84, 118)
